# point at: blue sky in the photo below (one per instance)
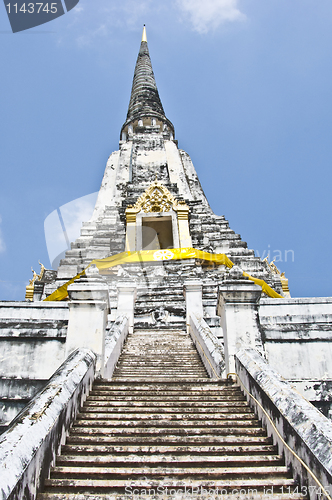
(247, 85)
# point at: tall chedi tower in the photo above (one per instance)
(151, 199)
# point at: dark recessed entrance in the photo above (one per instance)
(157, 233)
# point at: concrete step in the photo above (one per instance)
(173, 390)
(138, 335)
(145, 385)
(159, 371)
(103, 419)
(130, 361)
(166, 397)
(153, 472)
(142, 323)
(155, 378)
(102, 434)
(164, 406)
(162, 422)
(139, 360)
(223, 385)
(178, 395)
(230, 460)
(173, 355)
(163, 495)
(88, 485)
(91, 442)
(170, 374)
(193, 364)
(242, 446)
(163, 351)
(180, 344)
(179, 413)
(145, 357)
(170, 388)
(172, 299)
(166, 370)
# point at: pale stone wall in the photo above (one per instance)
(297, 335)
(32, 347)
(176, 170)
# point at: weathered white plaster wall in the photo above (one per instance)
(298, 336)
(310, 360)
(33, 310)
(32, 337)
(107, 189)
(176, 170)
(32, 347)
(31, 359)
(300, 309)
(192, 179)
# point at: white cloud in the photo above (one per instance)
(59, 234)
(79, 8)
(98, 23)
(210, 14)
(2, 243)
(77, 211)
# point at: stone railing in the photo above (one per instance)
(114, 343)
(296, 422)
(29, 447)
(208, 346)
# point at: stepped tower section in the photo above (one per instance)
(151, 198)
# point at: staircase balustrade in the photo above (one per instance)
(29, 447)
(114, 343)
(208, 346)
(301, 432)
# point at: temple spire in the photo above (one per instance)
(145, 102)
(144, 39)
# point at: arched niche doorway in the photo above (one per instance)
(157, 220)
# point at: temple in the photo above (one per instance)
(162, 353)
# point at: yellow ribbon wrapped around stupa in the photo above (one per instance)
(158, 256)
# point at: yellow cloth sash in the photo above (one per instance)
(158, 256)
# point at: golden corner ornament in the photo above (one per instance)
(159, 256)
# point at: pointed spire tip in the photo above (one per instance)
(144, 39)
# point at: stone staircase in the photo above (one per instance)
(159, 355)
(162, 429)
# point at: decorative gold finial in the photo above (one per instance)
(31, 286)
(283, 279)
(144, 39)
